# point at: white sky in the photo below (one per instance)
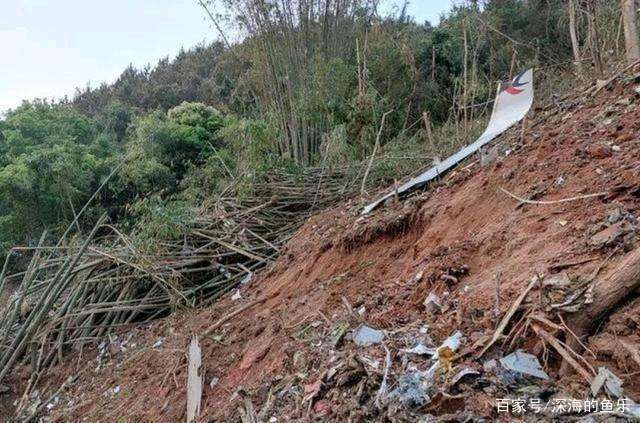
(48, 48)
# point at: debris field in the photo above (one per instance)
(432, 308)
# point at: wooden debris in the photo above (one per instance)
(85, 287)
(507, 318)
(564, 352)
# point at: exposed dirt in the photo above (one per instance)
(464, 239)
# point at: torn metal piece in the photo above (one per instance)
(420, 349)
(364, 336)
(413, 389)
(452, 343)
(523, 363)
(611, 383)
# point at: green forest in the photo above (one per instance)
(298, 93)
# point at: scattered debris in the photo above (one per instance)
(194, 381)
(610, 381)
(236, 296)
(420, 349)
(317, 377)
(365, 336)
(413, 389)
(523, 363)
(432, 303)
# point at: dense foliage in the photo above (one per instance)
(180, 131)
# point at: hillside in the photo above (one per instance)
(283, 347)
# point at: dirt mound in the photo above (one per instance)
(468, 242)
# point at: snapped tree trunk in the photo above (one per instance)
(609, 293)
(630, 30)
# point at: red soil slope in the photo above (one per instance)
(461, 239)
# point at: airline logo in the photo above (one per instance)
(514, 86)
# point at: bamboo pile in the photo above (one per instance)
(80, 290)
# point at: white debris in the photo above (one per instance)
(611, 382)
(194, 381)
(462, 373)
(420, 349)
(159, 342)
(453, 342)
(365, 336)
(523, 363)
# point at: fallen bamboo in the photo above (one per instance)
(102, 284)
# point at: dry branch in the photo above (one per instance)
(563, 200)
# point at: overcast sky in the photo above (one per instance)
(47, 48)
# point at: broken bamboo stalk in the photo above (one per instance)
(507, 317)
